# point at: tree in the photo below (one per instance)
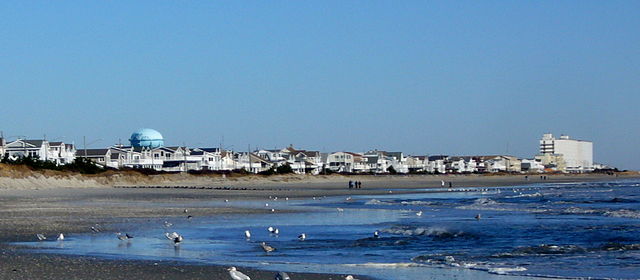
(391, 170)
(284, 169)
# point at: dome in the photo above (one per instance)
(146, 137)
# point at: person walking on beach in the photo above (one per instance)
(350, 184)
(359, 184)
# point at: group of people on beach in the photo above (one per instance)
(355, 184)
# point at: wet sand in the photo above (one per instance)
(25, 212)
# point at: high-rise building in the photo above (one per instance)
(577, 154)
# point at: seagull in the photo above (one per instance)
(419, 213)
(273, 210)
(286, 198)
(121, 236)
(302, 237)
(189, 217)
(340, 209)
(266, 205)
(41, 237)
(376, 234)
(95, 229)
(237, 275)
(478, 217)
(173, 236)
(60, 237)
(348, 198)
(247, 234)
(226, 200)
(167, 224)
(273, 230)
(177, 240)
(266, 247)
(349, 277)
(186, 210)
(282, 276)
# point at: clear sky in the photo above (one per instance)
(423, 77)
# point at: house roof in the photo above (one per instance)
(373, 159)
(37, 143)
(438, 157)
(94, 152)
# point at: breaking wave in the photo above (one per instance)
(617, 213)
(404, 202)
(438, 232)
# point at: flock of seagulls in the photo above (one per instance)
(274, 231)
(42, 237)
(177, 238)
(235, 274)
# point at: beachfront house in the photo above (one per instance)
(61, 153)
(344, 162)
(501, 163)
(416, 164)
(532, 165)
(2, 144)
(56, 152)
(101, 157)
(461, 164)
(251, 162)
(437, 164)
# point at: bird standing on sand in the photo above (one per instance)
(41, 237)
(95, 228)
(282, 276)
(247, 234)
(273, 230)
(60, 237)
(237, 275)
(302, 237)
(266, 247)
(175, 237)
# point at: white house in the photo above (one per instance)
(61, 153)
(437, 164)
(56, 152)
(344, 162)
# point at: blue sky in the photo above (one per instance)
(424, 77)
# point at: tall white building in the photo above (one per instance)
(577, 154)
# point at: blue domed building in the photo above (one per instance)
(146, 138)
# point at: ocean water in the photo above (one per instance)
(582, 230)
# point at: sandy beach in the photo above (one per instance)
(29, 208)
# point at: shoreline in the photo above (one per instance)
(74, 210)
